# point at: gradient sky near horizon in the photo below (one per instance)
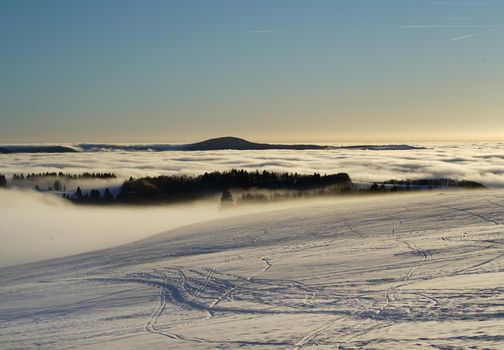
(266, 70)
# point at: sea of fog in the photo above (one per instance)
(36, 226)
(483, 162)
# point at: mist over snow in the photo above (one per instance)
(482, 162)
(37, 226)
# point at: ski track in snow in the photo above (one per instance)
(393, 272)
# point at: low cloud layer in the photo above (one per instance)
(481, 162)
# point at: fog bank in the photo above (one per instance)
(37, 226)
(482, 162)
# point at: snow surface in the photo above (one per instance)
(421, 271)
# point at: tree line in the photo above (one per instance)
(441, 182)
(94, 196)
(85, 175)
(179, 187)
(234, 186)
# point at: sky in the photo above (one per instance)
(275, 70)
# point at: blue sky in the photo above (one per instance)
(286, 70)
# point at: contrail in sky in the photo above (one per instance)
(428, 26)
(460, 3)
(264, 31)
(477, 34)
(489, 28)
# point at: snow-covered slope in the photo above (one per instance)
(393, 272)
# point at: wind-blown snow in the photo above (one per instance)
(393, 272)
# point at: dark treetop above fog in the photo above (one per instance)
(251, 186)
(220, 143)
(175, 188)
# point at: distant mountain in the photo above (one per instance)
(220, 143)
(215, 144)
(235, 143)
(101, 147)
(382, 147)
(36, 149)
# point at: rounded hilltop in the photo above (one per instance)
(236, 143)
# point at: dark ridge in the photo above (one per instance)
(220, 143)
(215, 144)
(382, 147)
(98, 147)
(36, 149)
(235, 143)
